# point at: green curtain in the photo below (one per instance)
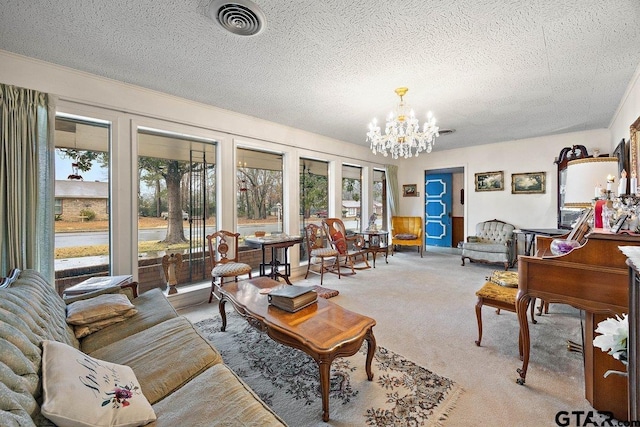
(26, 180)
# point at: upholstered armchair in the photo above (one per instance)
(407, 231)
(493, 243)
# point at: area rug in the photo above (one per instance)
(401, 393)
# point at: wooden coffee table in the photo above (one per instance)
(323, 330)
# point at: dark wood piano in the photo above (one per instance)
(595, 278)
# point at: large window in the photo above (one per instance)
(379, 196)
(82, 222)
(259, 192)
(352, 197)
(176, 202)
(314, 195)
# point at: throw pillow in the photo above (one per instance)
(405, 236)
(82, 331)
(98, 308)
(340, 242)
(508, 279)
(79, 390)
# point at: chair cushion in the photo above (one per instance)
(405, 236)
(494, 292)
(508, 279)
(324, 252)
(230, 269)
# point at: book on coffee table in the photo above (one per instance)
(293, 298)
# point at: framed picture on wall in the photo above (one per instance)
(622, 153)
(490, 181)
(528, 183)
(410, 190)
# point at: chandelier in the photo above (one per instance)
(402, 132)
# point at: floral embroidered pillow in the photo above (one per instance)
(79, 390)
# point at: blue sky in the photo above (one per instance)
(64, 169)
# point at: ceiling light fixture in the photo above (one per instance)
(402, 132)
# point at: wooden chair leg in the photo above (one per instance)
(479, 317)
(213, 288)
(308, 267)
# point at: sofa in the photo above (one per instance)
(181, 375)
(407, 231)
(493, 243)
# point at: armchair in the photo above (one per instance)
(493, 243)
(407, 231)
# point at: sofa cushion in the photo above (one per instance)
(164, 357)
(83, 391)
(499, 248)
(82, 331)
(99, 308)
(217, 397)
(153, 308)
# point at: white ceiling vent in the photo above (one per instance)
(241, 17)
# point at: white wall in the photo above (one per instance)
(627, 112)
(527, 155)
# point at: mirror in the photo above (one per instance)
(566, 216)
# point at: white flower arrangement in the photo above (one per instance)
(613, 339)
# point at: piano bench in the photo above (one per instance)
(498, 297)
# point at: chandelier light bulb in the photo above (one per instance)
(402, 134)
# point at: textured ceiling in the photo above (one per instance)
(492, 70)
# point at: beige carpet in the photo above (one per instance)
(424, 308)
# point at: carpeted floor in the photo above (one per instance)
(401, 393)
(425, 311)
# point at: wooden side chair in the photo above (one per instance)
(223, 258)
(500, 292)
(349, 248)
(319, 255)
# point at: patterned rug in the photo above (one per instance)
(401, 393)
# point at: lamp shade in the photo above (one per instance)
(584, 175)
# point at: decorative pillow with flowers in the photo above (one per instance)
(80, 390)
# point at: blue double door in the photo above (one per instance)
(437, 208)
